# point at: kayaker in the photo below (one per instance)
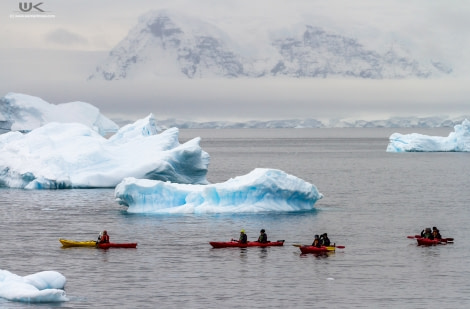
(435, 233)
(324, 240)
(426, 233)
(263, 237)
(104, 238)
(316, 242)
(243, 237)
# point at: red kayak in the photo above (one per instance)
(431, 242)
(313, 249)
(236, 244)
(427, 242)
(117, 245)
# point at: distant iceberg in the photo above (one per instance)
(21, 112)
(41, 287)
(262, 190)
(457, 141)
(61, 156)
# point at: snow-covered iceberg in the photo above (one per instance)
(262, 190)
(21, 112)
(45, 286)
(71, 155)
(457, 141)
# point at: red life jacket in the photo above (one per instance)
(104, 239)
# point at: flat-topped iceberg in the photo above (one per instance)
(21, 112)
(457, 141)
(71, 155)
(262, 190)
(41, 287)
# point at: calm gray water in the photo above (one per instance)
(373, 200)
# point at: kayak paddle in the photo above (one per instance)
(442, 240)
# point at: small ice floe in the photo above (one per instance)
(41, 287)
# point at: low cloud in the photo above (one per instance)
(57, 71)
(65, 38)
(257, 99)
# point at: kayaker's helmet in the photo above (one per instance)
(262, 231)
(105, 232)
(316, 236)
(242, 231)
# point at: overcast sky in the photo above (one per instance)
(51, 57)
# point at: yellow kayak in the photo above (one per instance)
(74, 243)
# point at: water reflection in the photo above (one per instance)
(77, 248)
(318, 254)
(263, 253)
(243, 253)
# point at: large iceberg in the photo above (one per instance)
(457, 141)
(45, 286)
(262, 190)
(59, 156)
(21, 112)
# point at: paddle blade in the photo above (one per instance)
(411, 237)
(449, 240)
(340, 247)
(297, 245)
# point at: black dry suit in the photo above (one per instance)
(426, 233)
(263, 238)
(324, 240)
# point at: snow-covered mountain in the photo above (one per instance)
(318, 53)
(169, 44)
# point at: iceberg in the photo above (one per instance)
(71, 155)
(21, 112)
(457, 141)
(45, 286)
(261, 190)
